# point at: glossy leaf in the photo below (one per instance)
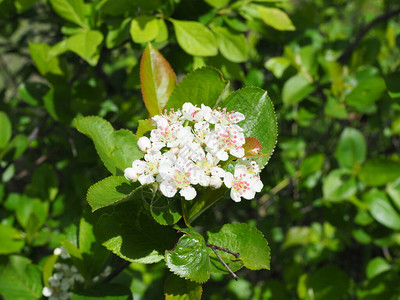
(244, 239)
(5, 129)
(329, 283)
(233, 46)
(86, 45)
(118, 32)
(48, 268)
(144, 29)
(189, 259)
(260, 120)
(195, 38)
(351, 148)
(296, 89)
(116, 189)
(382, 210)
(275, 18)
(157, 80)
(379, 171)
(176, 288)
(339, 185)
(70, 10)
(117, 149)
(367, 91)
(131, 233)
(202, 86)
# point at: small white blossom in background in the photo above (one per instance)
(186, 149)
(64, 278)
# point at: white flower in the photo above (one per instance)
(242, 183)
(171, 117)
(215, 182)
(170, 135)
(192, 112)
(47, 291)
(144, 144)
(224, 139)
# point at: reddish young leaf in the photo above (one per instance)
(157, 80)
(253, 147)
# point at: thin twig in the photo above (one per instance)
(116, 272)
(223, 249)
(346, 54)
(225, 265)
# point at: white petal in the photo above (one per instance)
(215, 182)
(239, 153)
(168, 189)
(217, 171)
(188, 192)
(146, 179)
(228, 179)
(235, 196)
(130, 174)
(144, 144)
(222, 155)
(257, 186)
(249, 194)
(47, 291)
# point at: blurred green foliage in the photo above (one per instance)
(330, 207)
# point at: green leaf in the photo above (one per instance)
(189, 259)
(157, 80)
(217, 3)
(275, 18)
(32, 92)
(312, 163)
(260, 120)
(144, 126)
(377, 266)
(244, 239)
(392, 84)
(118, 32)
(202, 86)
(104, 291)
(351, 149)
(5, 130)
(329, 283)
(379, 171)
(382, 210)
(366, 92)
(20, 279)
(162, 35)
(48, 268)
(393, 190)
(176, 288)
(76, 256)
(116, 189)
(44, 61)
(166, 211)
(298, 235)
(335, 109)
(296, 89)
(117, 149)
(277, 65)
(31, 213)
(144, 29)
(16, 147)
(195, 38)
(339, 185)
(70, 10)
(232, 45)
(44, 184)
(57, 102)
(11, 240)
(131, 233)
(86, 45)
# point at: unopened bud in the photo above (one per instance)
(144, 144)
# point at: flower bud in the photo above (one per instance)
(144, 144)
(131, 174)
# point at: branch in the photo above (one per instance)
(224, 263)
(346, 54)
(223, 249)
(118, 270)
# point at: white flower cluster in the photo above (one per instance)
(186, 148)
(63, 280)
